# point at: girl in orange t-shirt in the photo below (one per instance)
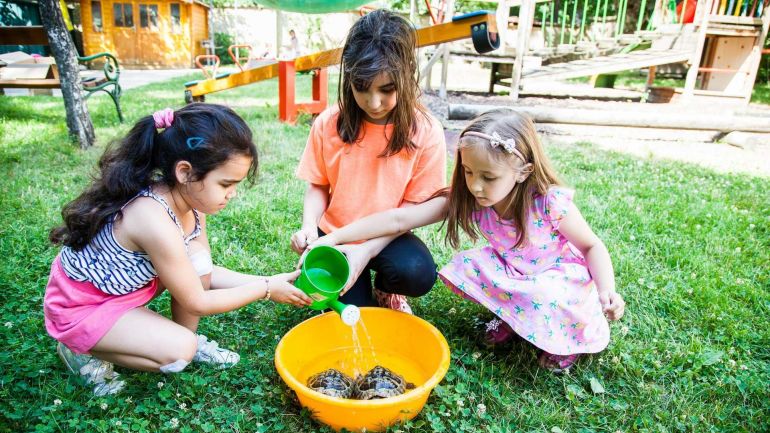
(377, 149)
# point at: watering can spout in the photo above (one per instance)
(348, 313)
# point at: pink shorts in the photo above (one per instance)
(78, 314)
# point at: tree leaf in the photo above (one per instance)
(576, 391)
(711, 357)
(596, 387)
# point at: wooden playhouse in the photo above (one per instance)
(151, 33)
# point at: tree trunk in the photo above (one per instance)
(78, 120)
(632, 16)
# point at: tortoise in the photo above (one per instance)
(333, 383)
(380, 382)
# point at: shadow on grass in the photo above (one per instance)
(28, 108)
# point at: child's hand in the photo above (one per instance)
(613, 304)
(281, 290)
(358, 257)
(326, 240)
(301, 239)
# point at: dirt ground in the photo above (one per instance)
(697, 147)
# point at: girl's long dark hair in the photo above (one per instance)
(380, 41)
(508, 124)
(205, 135)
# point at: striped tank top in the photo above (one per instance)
(109, 266)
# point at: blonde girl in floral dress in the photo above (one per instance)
(544, 273)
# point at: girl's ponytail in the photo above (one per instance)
(129, 167)
(124, 170)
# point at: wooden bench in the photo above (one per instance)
(36, 35)
(502, 66)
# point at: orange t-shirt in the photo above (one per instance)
(362, 183)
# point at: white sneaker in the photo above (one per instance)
(92, 371)
(209, 352)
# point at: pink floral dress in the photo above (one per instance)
(542, 289)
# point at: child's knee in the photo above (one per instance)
(414, 277)
(420, 284)
(180, 354)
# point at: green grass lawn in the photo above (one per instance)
(690, 248)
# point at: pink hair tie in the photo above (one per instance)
(163, 118)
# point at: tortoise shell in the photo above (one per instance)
(333, 383)
(380, 382)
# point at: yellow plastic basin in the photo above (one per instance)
(406, 344)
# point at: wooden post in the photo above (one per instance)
(639, 119)
(657, 15)
(78, 120)
(526, 16)
(650, 77)
(278, 33)
(756, 55)
(502, 13)
(321, 89)
(703, 10)
(450, 11)
(287, 109)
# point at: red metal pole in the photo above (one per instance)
(287, 109)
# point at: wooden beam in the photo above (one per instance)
(48, 83)
(729, 19)
(704, 8)
(526, 18)
(609, 64)
(23, 35)
(433, 35)
(234, 80)
(321, 59)
(641, 119)
(450, 4)
(454, 30)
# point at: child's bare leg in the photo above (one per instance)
(145, 340)
(208, 351)
(179, 314)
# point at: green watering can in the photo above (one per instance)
(324, 273)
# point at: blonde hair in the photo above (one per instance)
(508, 125)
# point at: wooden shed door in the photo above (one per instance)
(150, 47)
(124, 33)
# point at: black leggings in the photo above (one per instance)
(405, 267)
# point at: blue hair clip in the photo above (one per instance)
(194, 142)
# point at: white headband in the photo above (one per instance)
(495, 140)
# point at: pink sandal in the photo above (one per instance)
(557, 363)
(392, 301)
(498, 332)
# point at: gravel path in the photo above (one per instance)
(691, 147)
